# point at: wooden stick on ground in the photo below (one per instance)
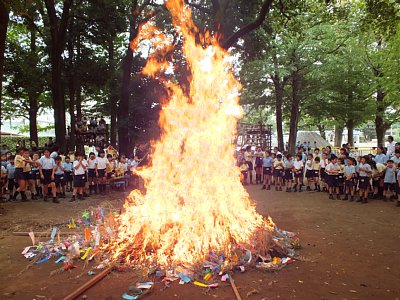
(235, 290)
(44, 234)
(75, 294)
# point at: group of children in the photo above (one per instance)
(52, 174)
(342, 176)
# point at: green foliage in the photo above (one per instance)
(12, 141)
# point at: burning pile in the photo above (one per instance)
(194, 203)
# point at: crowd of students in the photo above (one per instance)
(50, 173)
(343, 175)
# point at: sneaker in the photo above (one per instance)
(308, 189)
(45, 199)
(360, 199)
(338, 197)
(280, 188)
(276, 188)
(398, 203)
(55, 200)
(72, 199)
(269, 187)
(351, 199)
(331, 197)
(364, 201)
(80, 197)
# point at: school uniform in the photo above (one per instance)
(349, 171)
(381, 159)
(309, 169)
(323, 164)
(333, 178)
(19, 168)
(298, 167)
(278, 168)
(316, 169)
(248, 157)
(341, 175)
(68, 171)
(35, 173)
(102, 163)
(59, 176)
(380, 168)
(289, 170)
(11, 177)
(267, 165)
(91, 168)
(79, 174)
(27, 169)
(390, 179)
(363, 182)
(47, 169)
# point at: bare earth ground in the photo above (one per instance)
(350, 251)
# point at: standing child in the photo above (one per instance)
(332, 170)
(278, 172)
(110, 169)
(298, 167)
(309, 171)
(12, 183)
(101, 165)
(36, 175)
(29, 174)
(365, 171)
(248, 157)
(349, 173)
(322, 174)
(341, 162)
(67, 165)
(91, 170)
(79, 168)
(59, 177)
(46, 170)
(259, 165)
(19, 163)
(244, 168)
(389, 179)
(316, 172)
(267, 170)
(289, 172)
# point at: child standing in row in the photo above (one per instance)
(67, 165)
(309, 171)
(349, 173)
(79, 168)
(316, 173)
(333, 178)
(365, 171)
(298, 167)
(267, 170)
(289, 173)
(389, 180)
(278, 170)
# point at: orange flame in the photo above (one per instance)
(194, 201)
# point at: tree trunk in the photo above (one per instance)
(4, 17)
(321, 129)
(58, 29)
(294, 112)
(350, 132)
(33, 109)
(278, 113)
(380, 125)
(113, 93)
(338, 136)
(71, 92)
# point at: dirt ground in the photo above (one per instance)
(349, 251)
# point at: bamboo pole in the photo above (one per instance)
(235, 290)
(75, 294)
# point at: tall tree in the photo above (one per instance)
(58, 30)
(4, 18)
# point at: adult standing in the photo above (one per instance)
(390, 146)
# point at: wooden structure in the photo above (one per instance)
(253, 135)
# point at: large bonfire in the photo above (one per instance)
(194, 201)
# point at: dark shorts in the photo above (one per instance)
(19, 174)
(349, 183)
(389, 186)
(250, 164)
(397, 188)
(323, 174)
(68, 176)
(340, 179)
(12, 184)
(288, 175)
(91, 173)
(376, 183)
(27, 175)
(258, 162)
(79, 180)
(278, 173)
(333, 180)
(59, 179)
(47, 176)
(316, 173)
(35, 175)
(101, 172)
(309, 173)
(298, 174)
(267, 170)
(363, 182)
